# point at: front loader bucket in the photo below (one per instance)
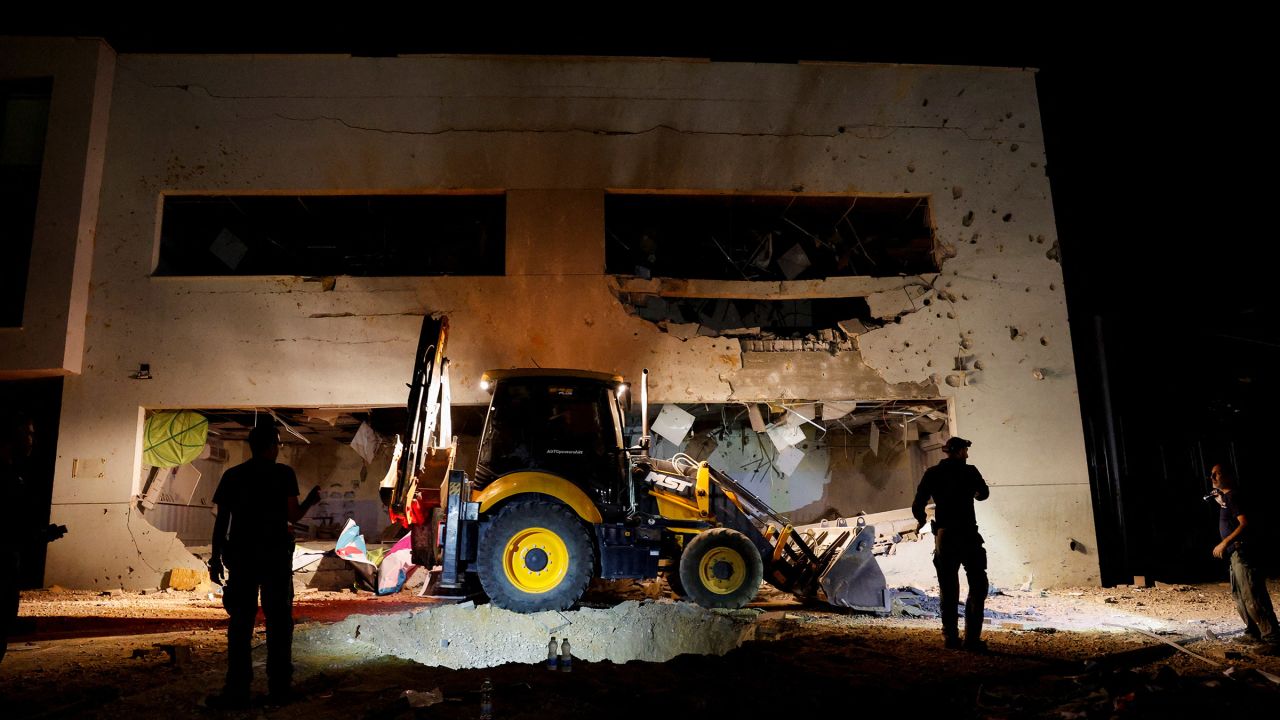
(854, 579)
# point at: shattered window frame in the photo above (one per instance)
(769, 237)
(325, 235)
(834, 426)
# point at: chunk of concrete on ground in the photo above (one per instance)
(181, 578)
(465, 636)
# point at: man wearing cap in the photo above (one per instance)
(954, 485)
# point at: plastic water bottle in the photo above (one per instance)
(486, 700)
(566, 658)
(553, 654)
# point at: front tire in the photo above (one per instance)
(721, 568)
(534, 555)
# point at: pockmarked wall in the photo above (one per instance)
(988, 332)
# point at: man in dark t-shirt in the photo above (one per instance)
(1248, 581)
(954, 485)
(256, 501)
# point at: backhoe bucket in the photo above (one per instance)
(854, 579)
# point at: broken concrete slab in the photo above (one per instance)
(465, 636)
(181, 578)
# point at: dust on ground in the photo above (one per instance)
(1063, 653)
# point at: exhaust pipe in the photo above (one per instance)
(644, 413)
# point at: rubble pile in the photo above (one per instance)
(468, 636)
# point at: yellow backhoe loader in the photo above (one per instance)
(558, 497)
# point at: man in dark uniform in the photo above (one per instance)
(954, 485)
(1248, 581)
(256, 501)
(17, 438)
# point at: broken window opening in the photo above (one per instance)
(817, 324)
(768, 237)
(24, 121)
(329, 447)
(811, 461)
(325, 235)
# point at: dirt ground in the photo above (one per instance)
(1065, 653)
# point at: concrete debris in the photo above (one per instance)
(487, 636)
(185, 578)
(178, 655)
(834, 410)
(908, 601)
(853, 326)
(683, 331)
(423, 699)
(806, 344)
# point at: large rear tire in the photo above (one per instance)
(720, 568)
(534, 555)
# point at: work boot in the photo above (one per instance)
(228, 700)
(1248, 639)
(975, 645)
(278, 698)
(280, 695)
(951, 642)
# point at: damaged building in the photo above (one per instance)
(828, 269)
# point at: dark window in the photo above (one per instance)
(740, 237)
(313, 235)
(24, 120)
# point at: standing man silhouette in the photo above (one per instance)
(17, 438)
(257, 500)
(954, 485)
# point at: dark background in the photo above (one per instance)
(1159, 155)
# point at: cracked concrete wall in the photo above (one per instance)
(556, 134)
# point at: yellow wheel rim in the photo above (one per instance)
(722, 570)
(535, 560)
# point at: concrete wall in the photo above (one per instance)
(556, 134)
(51, 339)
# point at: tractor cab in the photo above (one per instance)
(566, 423)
